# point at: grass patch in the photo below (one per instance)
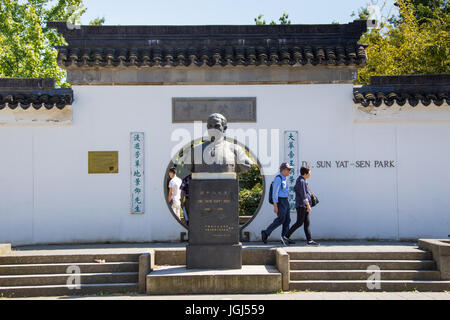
(412, 290)
(6, 296)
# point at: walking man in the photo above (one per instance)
(185, 196)
(281, 207)
(175, 192)
(303, 205)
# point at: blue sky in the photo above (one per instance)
(185, 12)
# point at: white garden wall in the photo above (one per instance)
(47, 195)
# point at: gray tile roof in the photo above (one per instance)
(410, 89)
(213, 45)
(36, 93)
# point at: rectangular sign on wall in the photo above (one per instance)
(291, 157)
(103, 162)
(137, 172)
(198, 109)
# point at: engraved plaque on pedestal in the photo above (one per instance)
(214, 225)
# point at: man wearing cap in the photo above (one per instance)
(281, 207)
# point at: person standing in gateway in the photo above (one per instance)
(185, 196)
(281, 206)
(175, 192)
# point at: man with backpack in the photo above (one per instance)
(278, 196)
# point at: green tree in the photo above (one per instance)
(363, 13)
(250, 190)
(284, 19)
(414, 42)
(249, 200)
(97, 21)
(26, 44)
(423, 10)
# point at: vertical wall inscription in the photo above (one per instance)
(137, 172)
(291, 157)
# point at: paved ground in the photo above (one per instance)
(281, 296)
(138, 247)
(338, 246)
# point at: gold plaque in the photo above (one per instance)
(103, 162)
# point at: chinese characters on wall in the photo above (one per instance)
(291, 157)
(137, 172)
(199, 109)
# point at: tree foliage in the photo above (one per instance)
(250, 178)
(414, 41)
(26, 44)
(284, 19)
(97, 21)
(424, 10)
(417, 41)
(249, 200)
(250, 190)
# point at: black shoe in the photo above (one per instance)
(264, 237)
(312, 243)
(289, 241)
(285, 241)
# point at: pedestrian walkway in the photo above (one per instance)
(279, 296)
(337, 246)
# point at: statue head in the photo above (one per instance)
(216, 125)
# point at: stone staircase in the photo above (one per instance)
(48, 275)
(323, 270)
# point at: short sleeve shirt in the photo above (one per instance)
(175, 185)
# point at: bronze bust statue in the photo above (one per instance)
(216, 155)
(214, 199)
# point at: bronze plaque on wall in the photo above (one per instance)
(198, 109)
(103, 162)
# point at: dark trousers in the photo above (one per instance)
(302, 218)
(283, 217)
(186, 209)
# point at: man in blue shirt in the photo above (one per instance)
(281, 207)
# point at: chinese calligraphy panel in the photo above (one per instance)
(291, 157)
(137, 172)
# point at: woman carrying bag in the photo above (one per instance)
(304, 201)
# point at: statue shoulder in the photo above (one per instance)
(237, 148)
(199, 146)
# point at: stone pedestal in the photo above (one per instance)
(214, 225)
(256, 279)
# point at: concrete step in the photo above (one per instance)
(363, 275)
(346, 255)
(63, 290)
(61, 279)
(179, 280)
(362, 264)
(66, 258)
(61, 268)
(358, 285)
